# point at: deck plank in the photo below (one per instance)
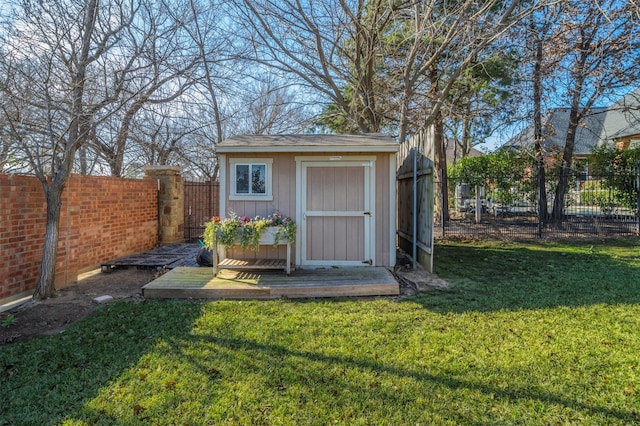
(185, 282)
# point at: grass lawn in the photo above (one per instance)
(544, 333)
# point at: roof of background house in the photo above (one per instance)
(621, 119)
(632, 129)
(625, 116)
(309, 143)
(454, 153)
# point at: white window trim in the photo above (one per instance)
(268, 196)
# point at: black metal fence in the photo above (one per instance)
(201, 203)
(594, 206)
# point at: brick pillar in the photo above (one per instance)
(170, 202)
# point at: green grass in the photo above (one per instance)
(528, 334)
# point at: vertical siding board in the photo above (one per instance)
(382, 224)
(315, 249)
(341, 247)
(284, 180)
(312, 204)
(353, 239)
(327, 199)
(341, 186)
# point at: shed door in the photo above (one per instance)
(336, 213)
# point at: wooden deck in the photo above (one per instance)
(185, 282)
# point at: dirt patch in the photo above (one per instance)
(72, 304)
(412, 280)
(75, 303)
(422, 280)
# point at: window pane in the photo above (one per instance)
(242, 179)
(258, 179)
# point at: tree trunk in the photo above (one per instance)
(442, 193)
(46, 281)
(575, 115)
(565, 167)
(82, 159)
(537, 125)
(440, 154)
(466, 134)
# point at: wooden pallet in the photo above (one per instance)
(168, 257)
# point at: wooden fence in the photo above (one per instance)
(416, 198)
(201, 203)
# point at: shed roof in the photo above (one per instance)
(309, 143)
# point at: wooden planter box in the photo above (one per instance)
(268, 238)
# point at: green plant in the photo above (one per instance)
(507, 175)
(251, 233)
(597, 193)
(246, 231)
(286, 230)
(223, 232)
(617, 168)
(9, 321)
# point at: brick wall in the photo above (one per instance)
(102, 218)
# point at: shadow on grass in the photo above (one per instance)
(75, 375)
(69, 369)
(490, 277)
(317, 374)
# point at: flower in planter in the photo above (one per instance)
(246, 231)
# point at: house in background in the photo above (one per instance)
(618, 124)
(626, 121)
(455, 153)
(340, 190)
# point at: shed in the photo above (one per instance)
(340, 190)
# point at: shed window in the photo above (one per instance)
(251, 179)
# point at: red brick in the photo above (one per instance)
(96, 222)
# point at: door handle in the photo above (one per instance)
(367, 213)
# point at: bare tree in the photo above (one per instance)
(435, 44)
(329, 46)
(380, 63)
(219, 56)
(160, 68)
(268, 108)
(51, 49)
(161, 134)
(8, 146)
(543, 65)
(598, 42)
(75, 75)
(218, 81)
